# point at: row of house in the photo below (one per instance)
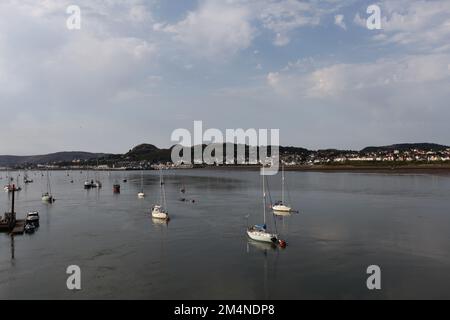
(414, 155)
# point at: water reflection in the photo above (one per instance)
(265, 248)
(12, 248)
(351, 220)
(161, 222)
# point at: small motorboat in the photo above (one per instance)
(116, 188)
(32, 217)
(141, 195)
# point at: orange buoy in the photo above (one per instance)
(282, 243)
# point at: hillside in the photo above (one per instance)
(152, 154)
(8, 161)
(406, 147)
(148, 152)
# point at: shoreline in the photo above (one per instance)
(424, 168)
(348, 168)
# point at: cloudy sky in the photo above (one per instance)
(139, 69)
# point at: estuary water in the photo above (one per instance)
(346, 222)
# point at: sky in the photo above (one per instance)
(137, 70)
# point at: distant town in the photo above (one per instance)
(147, 156)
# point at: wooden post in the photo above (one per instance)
(13, 194)
(12, 222)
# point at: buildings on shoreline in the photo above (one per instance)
(288, 158)
(375, 157)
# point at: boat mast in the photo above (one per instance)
(264, 195)
(49, 188)
(282, 184)
(164, 196)
(160, 187)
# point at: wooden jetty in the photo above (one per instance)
(9, 223)
(19, 228)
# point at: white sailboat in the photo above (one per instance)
(280, 207)
(159, 211)
(48, 197)
(98, 183)
(260, 232)
(26, 179)
(9, 186)
(141, 195)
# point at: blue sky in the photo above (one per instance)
(137, 70)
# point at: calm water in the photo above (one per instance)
(347, 221)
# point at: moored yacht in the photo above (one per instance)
(280, 207)
(159, 211)
(48, 197)
(141, 194)
(260, 232)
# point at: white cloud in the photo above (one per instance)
(339, 21)
(226, 27)
(281, 40)
(418, 24)
(282, 17)
(347, 79)
(216, 28)
(359, 21)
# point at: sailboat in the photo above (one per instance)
(159, 211)
(48, 197)
(260, 232)
(280, 207)
(18, 188)
(89, 183)
(9, 186)
(141, 195)
(26, 179)
(97, 183)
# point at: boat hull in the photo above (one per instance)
(262, 236)
(157, 213)
(281, 208)
(48, 199)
